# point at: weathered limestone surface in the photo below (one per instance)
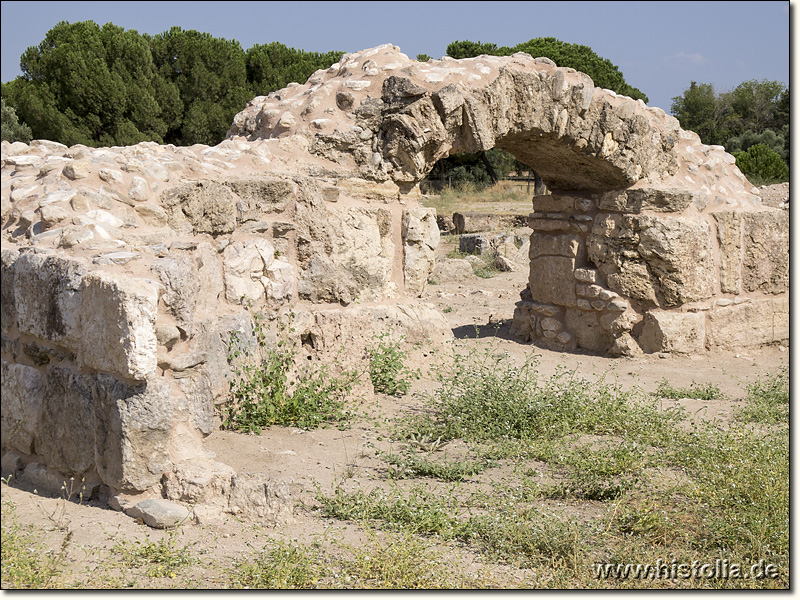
(127, 272)
(682, 333)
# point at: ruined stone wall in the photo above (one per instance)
(125, 270)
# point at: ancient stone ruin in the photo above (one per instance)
(126, 270)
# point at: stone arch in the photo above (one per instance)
(642, 238)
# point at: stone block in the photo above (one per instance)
(750, 323)
(587, 331)
(679, 254)
(202, 207)
(199, 481)
(420, 239)
(8, 306)
(452, 270)
(259, 196)
(118, 324)
(553, 203)
(569, 245)
(67, 422)
(199, 404)
(180, 278)
(474, 243)
(256, 496)
(766, 251)
(243, 266)
(23, 393)
(636, 200)
(132, 427)
(48, 297)
(159, 513)
(552, 280)
(729, 234)
(217, 336)
(681, 333)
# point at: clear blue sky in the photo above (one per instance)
(659, 46)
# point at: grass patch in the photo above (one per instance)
(484, 397)
(162, 558)
(517, 535)
(416, 466)
(26, 562)
(597, 472)
(282, 566)
(398, 561)
(740, 478)
(767, 400)
(697, 391)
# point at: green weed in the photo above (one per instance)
(163, 558)
(486, 397)
(387, 369)
(767, 400)
(696, 391)
(741, 478)
(262, 393)
(415, 466)
(283, 566)
(601, 472)
(26, 562)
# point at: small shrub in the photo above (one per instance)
(387, 368)
(262, 393)
(12, 129)
(767, 400)
(163, 558)
(763, 163)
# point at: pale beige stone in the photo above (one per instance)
(681, 333)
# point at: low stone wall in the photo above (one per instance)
(645, 270)
(116, 321)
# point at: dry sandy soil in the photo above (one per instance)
(325, 457)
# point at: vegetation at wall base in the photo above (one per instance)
(271, 387)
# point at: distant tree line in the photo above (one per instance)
(107, 86)
(751, 122)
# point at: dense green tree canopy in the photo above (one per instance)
(753, 113)
(101, 86)
(88, 84)
(12, 129)
(211, 79)
(274, 66)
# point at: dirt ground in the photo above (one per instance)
(327, 457)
